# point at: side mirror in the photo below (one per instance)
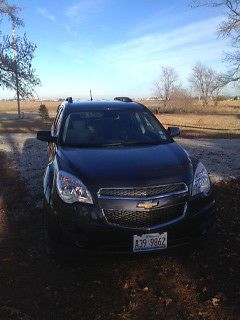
(46, 136)
(174, 131)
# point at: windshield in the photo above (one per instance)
(112, 128)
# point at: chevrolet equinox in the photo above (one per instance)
(116, 181)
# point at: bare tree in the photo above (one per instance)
(166, 84)
(229, 28)
(206, 82)
(16, 55)
(220, 81)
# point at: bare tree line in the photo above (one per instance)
(205, 82)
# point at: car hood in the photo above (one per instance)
(127, 166)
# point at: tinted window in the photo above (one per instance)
(109, 127)
(56, 123)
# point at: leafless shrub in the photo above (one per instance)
(166, 84)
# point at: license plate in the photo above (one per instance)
(149, 242)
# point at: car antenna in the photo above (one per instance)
(91, 95)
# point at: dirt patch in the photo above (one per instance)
(191, 284)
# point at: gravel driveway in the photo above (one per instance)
(220, 156)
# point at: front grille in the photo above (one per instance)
(144, 219)
(143, 192)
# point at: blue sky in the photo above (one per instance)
(117, 47)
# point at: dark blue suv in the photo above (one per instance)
(116, 181)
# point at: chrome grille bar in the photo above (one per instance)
(143, 193)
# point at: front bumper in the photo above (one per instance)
(84, 228)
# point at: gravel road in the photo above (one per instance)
(220, 156)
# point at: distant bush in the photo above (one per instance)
(181, 101)
(43, 112)
(153, 109)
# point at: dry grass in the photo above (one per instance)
(224, 107)
(213, 126)
(222, 121)
(27, 106)
(197, 126)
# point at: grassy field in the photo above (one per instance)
(196, 107)
(222, 121)
(224, 107)
(27, 106)
(208, 126)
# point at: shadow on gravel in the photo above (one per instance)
(188, 284)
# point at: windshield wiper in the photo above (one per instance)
(92, 145)
(129, 143)
(139, 143)
(117, 144)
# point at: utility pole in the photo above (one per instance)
(16, 72)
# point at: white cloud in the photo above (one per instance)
(196, 41)
(70, 30)
(133, 65)
(154, 43)
(43, 12)
(82, 10)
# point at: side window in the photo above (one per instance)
(140, 121)
(153, 126)
(56, 123)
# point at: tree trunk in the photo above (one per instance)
(17, 91)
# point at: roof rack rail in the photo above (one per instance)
(69, 99)
(123, 99)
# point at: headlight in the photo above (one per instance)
(70, 189)
(201, 182)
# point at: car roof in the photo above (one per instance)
(101, 105)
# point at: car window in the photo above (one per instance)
(111, 127)
(55, 126)
(151, 124)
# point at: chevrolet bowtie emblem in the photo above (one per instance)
(147, 204)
